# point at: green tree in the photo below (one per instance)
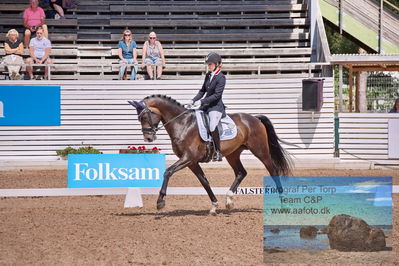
(338, 43)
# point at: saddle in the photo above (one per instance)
(227, 128)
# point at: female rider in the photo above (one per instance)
(212, 103)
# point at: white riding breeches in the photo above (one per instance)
(214, 118)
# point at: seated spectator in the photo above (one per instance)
(14, 49)
(153, 55)
(34, 17)
(39, 50)
(58, 7)
(127, 52)
(395, 108)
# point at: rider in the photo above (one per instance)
(212, 103)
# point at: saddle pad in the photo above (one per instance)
(227, 127)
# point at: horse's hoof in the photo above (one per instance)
(160, 205)
(213, 208)
(229, 200)
(229, 206)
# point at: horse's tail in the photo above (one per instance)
(280, 158)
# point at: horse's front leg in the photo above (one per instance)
(197, 170)
(180, 164)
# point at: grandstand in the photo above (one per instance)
(260, 39)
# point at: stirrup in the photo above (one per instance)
(217, 157)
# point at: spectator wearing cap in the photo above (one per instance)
(153, 56)
(34, 17)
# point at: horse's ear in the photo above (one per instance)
(140, 106)
(134, 103)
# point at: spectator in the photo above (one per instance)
(127, 52)
(395, 108)
(58, 7)
(153, 55)
(33, 18)
(39, 50)
(14, 49)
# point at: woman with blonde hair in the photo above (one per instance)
(127, 52)
(14, 49)
(153, 55)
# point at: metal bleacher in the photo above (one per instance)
(255, 38)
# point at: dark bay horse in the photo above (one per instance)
(255, 133)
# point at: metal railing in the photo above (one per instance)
(102, 66)
(259, 68)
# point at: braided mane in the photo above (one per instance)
(165, 97)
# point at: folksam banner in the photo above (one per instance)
(30, 105)
(115, 170)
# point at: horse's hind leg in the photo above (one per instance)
(197, 170)
(261, 151)
(240, 173)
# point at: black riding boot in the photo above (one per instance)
(217, 156)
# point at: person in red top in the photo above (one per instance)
(34, 17)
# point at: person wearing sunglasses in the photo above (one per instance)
(127, 52)
(153, 56)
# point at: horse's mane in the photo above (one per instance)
(165, 97)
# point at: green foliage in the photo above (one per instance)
(338, 43)
(395, 3)
(81, 150)
(382, 90)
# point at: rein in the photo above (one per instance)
(153, 129)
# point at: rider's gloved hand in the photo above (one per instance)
(189, 104)
(196, 105)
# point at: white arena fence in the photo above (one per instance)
(133, 195)
(364, 136)
(97, 113)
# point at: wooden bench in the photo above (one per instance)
(218, 8)
(208, 23)
(49, 22)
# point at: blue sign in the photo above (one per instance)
(115, 170)
(30, 106)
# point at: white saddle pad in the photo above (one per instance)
(227, 127)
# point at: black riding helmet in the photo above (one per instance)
(213, 58)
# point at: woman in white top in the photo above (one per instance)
(153, 55)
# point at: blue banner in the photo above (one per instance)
(115, 170)
(30, 106)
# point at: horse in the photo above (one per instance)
(255, 133)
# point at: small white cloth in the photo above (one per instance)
(229, 128)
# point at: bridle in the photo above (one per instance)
(152, 130)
